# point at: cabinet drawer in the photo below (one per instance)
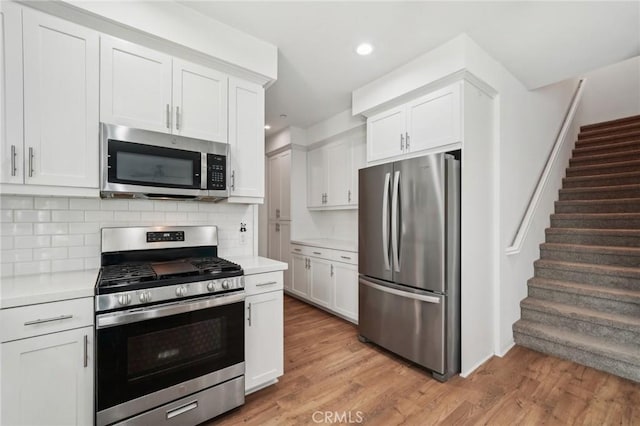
(261, 283)
(311, 251)
(44, 318)
(344, 256)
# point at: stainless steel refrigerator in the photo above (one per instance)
(409, 260)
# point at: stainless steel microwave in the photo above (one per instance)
(139, 163)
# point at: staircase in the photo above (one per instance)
(583, 302)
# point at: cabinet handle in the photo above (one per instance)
(168, 114)
(297, 249)
(277, 227)
(318, 253)
(249, 308)
(30, 161)
(331, 270)
(177, 118)
(181, 410)
(86, 351)
(40, 321)
(278, 213)
(307, 264)
(406, 145)
(346, 257)
(233, 180)
(349, 196)
(13, 160)
(267, 283)
(401, 142)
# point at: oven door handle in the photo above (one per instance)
(126, 317)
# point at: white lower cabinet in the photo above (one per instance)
(264, 330)
(48, 380)
(327, 278)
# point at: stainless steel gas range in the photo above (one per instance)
(169, 327)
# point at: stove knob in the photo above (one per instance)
(124, 299)
(143, 298)
(148, 296)
(181, 291)
(225, 284)
(211, 286)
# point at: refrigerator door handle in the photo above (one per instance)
(406, 294)
(394, 221)
(385, 222)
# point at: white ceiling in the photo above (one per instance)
(539, 42)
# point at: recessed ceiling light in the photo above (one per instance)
(267, 127)
(364, 49)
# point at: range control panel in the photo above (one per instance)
(156, 237)
(216, 171)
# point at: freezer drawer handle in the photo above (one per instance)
(181, 410)
(421, 297)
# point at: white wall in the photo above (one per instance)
(611, 92)
(41, 235)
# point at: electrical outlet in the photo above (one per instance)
(243, 233)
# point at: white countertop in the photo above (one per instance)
(42, 288)
(258, 265)
(329, 244)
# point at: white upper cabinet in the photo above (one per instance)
(199, 102)
(146, 89)
(135, 86)
(316, 177)
(246, 141)
(61, 66)
(11, 110)
(338, 176)
(419, 126)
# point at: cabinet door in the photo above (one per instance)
(321, 273)
(316, 174)
(435, 119)
(345, 287)
(264, 345)
(385, 134)
(246, 139)
(285, 251)
(338, 171)
(61, 66)
(285, 186)
(199, 102)
(135, 86)
(48, 380)
(275, 195)
(358, 161)
(11, 110)
(299, 275)
(274, 241)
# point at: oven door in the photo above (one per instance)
(151, 356)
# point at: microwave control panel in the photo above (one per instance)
(216, 172)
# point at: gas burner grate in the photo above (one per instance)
(131, 273)
(209, 265)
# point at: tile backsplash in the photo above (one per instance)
(40, 234)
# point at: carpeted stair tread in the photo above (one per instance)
(628, 353)
(619, 271)
(603, 216)
(611, 123)
(600, 192)
(596, 220)
(581, 149)
(604, 179)
(621, 251)
(604, 168)
(609, 293)
(619, 321)
(614, 205)
(605, 158)
(622, 128)
(614, 237)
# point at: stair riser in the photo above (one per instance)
(612, 281)
(596, 223)
(612, 131)
(599, 208)
(602, 140)
(618, 368)
(593, 258)
(599, 195)
(611, 124)
(581, 151)
(603, 170)
(593, 239)
(603, 305)
(601, 181)
(582, 326)
(592, 159)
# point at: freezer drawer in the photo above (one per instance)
(408, 323)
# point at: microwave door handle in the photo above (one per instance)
(385, 222)
(203, 170)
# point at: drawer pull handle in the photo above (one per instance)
(297, 249)
(346, 257)
(267, 283)
(181, 410)
(86, 351)
(317, 252)
(40, 321)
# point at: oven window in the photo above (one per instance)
(143, 357)
(154, 169)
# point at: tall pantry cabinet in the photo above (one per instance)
(279, 209)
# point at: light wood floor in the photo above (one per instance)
(328, 369)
